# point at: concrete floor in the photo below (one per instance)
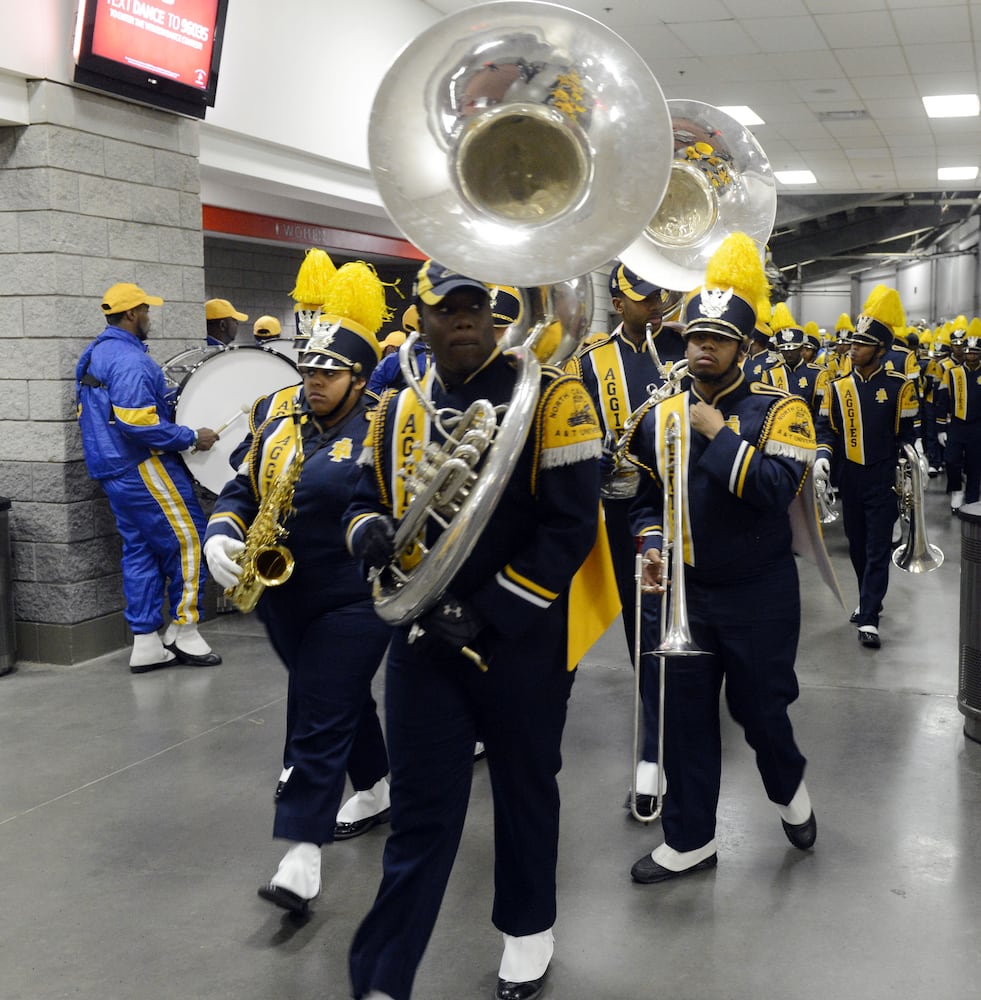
(135, 819)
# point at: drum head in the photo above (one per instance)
(218, 393)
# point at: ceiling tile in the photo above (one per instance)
(929, 23)
(938, 58)
(885, 60)
(785, 34)
(716, 38)
(862, 29)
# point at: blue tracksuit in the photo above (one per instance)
(131, 446)
(321, 621)
(741, 587)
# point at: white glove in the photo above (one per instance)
(822, 469)
(942, 439)
(219, 552)
(918, 447)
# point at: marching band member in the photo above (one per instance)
(743, 455)
(762, 364)
(619, 374)
(804, 378)
(868, 414)
(516, 605)
(812, 344)
(321, 620)
(131, 446)
(221, 321)
(959, 419)
(839, 361)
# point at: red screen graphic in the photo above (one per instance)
(171, 39)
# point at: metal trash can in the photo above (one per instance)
(969, 668)
(8, 642)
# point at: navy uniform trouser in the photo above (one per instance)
(869, 508)
(623, 549)
(962, 457)
(753, 653)
(332, 726)
(161, 524)
(436, 705)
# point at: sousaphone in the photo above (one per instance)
(720, 183)
(519, 143)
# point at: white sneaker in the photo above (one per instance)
(297, 880)
(956, 499)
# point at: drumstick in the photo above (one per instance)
(245, 407)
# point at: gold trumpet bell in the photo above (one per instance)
(720, 183)
(520, 142)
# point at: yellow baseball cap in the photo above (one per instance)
(222, 309)
(124, 296)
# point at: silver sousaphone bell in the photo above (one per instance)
(720, 183)
(520, 143)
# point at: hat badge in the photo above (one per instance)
(322, 337)
(863, 323)
(714, 302)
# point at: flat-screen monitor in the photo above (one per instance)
(164, 53)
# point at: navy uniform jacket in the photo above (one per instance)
(737, 489)
(619, 376)
(958, 397)
(768, 367)
(865, 420)
(545, 523)
(808, 381)
(325, 573)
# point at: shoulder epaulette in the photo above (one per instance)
(765, 389)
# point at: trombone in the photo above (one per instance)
(676, 637)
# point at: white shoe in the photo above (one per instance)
(149, 654)
(956, 499)
(297, 880)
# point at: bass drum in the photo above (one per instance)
(177, 368)
(218, 392)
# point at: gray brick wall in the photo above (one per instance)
(92, 192)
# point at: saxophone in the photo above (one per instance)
(265, 562)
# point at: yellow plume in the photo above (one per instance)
(782, 318)
(355, 292)
(737, 265)
(885, 305)
(313, 277)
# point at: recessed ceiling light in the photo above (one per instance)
(957, 173)
(795, 176)
(952, 106)
(742, 114)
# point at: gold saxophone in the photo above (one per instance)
(264, 562)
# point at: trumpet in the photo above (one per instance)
(676, 637)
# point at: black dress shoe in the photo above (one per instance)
(145, 668)
(870, 640)
(195, 659)
(646, 804)
(345, 831)
(647, 870)
(284, 898)
(520, 991)
(802, 835)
